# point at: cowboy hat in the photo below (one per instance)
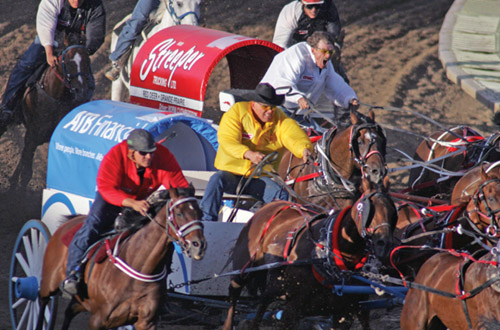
(263, 93)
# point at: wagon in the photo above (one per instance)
(167, 99)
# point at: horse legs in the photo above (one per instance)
(234, 294)
(23, 173)
(73, 308)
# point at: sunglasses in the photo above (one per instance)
(266, 107)
(311, 7)
(326, 51)
(145, 153)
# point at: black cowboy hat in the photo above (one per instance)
(263, 93)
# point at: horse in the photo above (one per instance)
(469, 183)
(49, 98)
(169, 13)
(130, 288)
(344, 156)
(306, 252)
(436, 226)
(455, 150)
(459, 292)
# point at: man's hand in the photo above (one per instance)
(140, 206)
(254, 156)
(303, 103)
(354, 104)
(306, 154)
(51, 59)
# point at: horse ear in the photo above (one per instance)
(354, 117)
(371, 114)
(484, 175)
(173, 192)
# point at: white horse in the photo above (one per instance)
(169, 13)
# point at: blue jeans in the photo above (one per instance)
(133, 27)
(99, 220)
(263, 189)
(31, 59)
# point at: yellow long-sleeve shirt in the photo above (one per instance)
(239, 131)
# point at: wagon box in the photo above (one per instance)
(86, 134)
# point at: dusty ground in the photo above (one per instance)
(390, 54)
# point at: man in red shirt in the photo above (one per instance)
(128, 174)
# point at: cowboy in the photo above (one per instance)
(306, 69)
(249, 131)
(128, 174)
(82, 16)
(131, 30)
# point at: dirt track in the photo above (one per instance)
(390, 54)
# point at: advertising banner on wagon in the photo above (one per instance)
(86, 134)
(172, 68)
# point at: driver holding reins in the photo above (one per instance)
(248, 132)
(85, 16)
(128, 174)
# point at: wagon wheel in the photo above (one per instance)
(25, 274)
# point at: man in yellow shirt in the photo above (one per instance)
(248, 132)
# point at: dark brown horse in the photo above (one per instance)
(469, 293)
(48, 99)
(342, 158)
(313, 250)
(478, 214)
(455, 150)
(113, 297)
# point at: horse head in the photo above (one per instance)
(181, 12)
(367, 146)
(484, 207)
(375, 215)
(183, 222)
(76, 73)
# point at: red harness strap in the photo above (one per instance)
(336, 252)
(289, 205)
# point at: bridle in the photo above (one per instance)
(374, 131)
(492, 215)
(178, 233)
(364, 212)
(175, 17)
(67, 77)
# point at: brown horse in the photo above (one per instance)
(47, 100)
(479, 213)
(468, 184)
(312, 249)
(342, 158)
(113, 297)
(468, 294)
(455, 150)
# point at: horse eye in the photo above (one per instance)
(179, 4)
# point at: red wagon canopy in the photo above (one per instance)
(172, 69)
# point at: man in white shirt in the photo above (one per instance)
(306, 69)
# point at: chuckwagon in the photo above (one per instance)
(168, 89)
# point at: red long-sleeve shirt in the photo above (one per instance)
(117, 178)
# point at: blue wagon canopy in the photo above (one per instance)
(85, 135)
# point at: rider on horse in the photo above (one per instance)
(306, 68)
(129, 173)
(299, 19)
(83, 16)
(129, 34)
(247, 132)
